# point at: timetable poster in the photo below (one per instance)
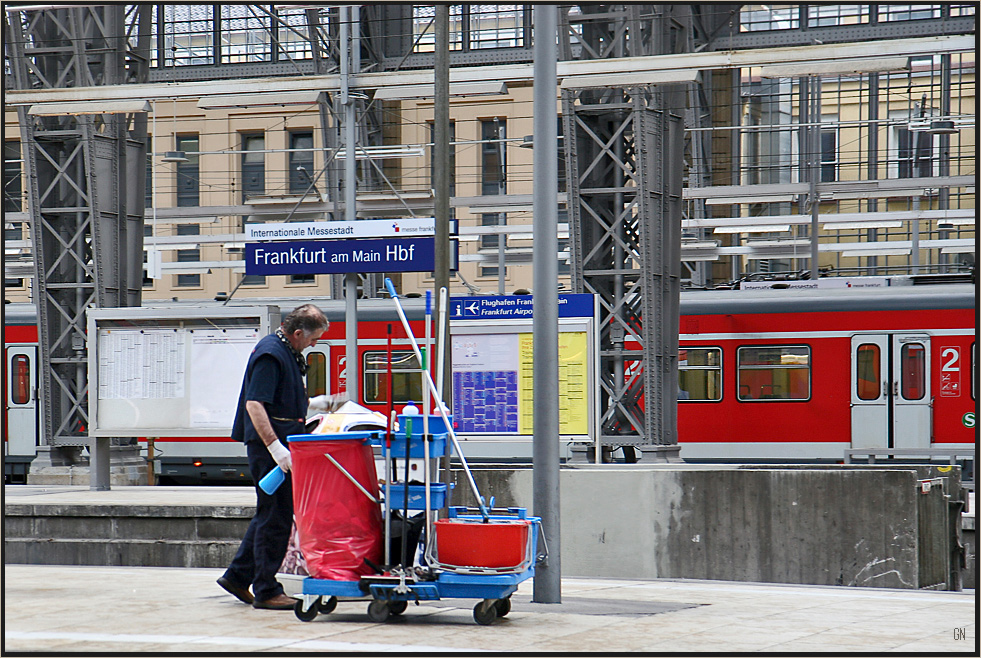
(485, 383)
(573, 398)
(493, 388)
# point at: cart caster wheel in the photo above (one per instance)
(503, 607)
(485, 612)
(326, 607)
(398, 607)
(304, 615)
(378, 611)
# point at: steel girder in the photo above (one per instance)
(624, 157)
(86, 176)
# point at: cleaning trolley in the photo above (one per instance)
(359, 540)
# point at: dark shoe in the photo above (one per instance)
(241, 593)
(278, 602)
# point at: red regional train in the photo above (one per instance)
(779, 376)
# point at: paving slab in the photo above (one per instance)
(152, 609)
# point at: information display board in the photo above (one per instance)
(170, 371)
(492, 347)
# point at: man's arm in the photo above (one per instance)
(260, 420)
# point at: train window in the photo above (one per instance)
(867, 363)
(774, 372)
(406, 377)
(20, 369)
(913, 377)
(700, 373)
(316, 374)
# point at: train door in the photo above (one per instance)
(21, 401)
(890, 397)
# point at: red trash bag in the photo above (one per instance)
(338, 525)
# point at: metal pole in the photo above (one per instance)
(545, 326)
(350, 57)
(441, 181)
(815, 119)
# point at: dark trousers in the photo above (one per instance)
(264, 546)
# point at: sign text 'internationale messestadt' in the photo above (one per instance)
(362, 228)
(341, 256)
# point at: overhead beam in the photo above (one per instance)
(509, 73)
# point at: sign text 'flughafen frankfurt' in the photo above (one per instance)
(341, 256)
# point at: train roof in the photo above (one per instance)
(791, 300)
(693, 302)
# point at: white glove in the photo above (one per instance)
(281, 454)
(326, 403)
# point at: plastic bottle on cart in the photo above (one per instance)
(410, 409)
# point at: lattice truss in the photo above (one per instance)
(85, 203)
(624, 223)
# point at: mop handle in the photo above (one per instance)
(441, 343)
(442, 412)
(426, 403)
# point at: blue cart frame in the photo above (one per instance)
(391, 594)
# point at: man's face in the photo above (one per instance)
(300, 340)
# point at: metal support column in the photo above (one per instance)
(350, 59)
(545, 310)
(441, 181)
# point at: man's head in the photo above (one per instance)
(304, 325)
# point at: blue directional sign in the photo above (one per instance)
(341, 256)
(516, 306)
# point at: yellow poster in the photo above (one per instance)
(573, 396)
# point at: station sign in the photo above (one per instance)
(341, 256)
(516, 306)
(363, 228)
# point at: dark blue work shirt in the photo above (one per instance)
(273, 378)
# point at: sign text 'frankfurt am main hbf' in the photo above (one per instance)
(341, 256)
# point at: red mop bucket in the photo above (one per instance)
(337, 523)
(500, 544)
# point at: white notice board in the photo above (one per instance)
(217, 358)
(170, 372)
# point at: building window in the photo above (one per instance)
(761, 18)
(244, 35)
(424, 31)
(303, 278)
(565, 245)
(496, 26)
(253, 165)
(12, 180)
(189, 36)
(292, 32)
(829, 155)
(301, 172)
(188, 256)
(148, 192)
(907, 12)
(779, 372)
(188, 173)
(914, 153)
(700, 373)
(493, 180)
(406, 383)
(253, 279)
